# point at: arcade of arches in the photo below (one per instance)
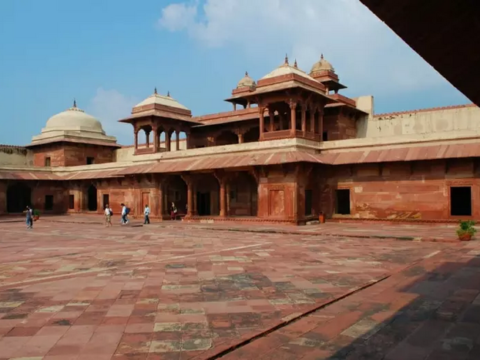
(275, 193)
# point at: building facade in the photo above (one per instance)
(291, 148)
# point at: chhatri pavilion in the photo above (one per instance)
(291, 148)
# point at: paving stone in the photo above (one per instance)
(180, 291)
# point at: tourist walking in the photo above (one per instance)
(125, 211)
(173, 211)
(108, 216)
(29, 218)
(146, 213)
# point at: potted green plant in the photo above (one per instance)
(36, 215)
(321, 218)
(466, 230)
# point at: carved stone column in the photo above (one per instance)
(192, 210)
(320, 123)
(304, 120)
(222, 179)
(168, 140)
(155, 139)
(271, 115)
(262, 121)
(293, 117)
(136, 138)
(147, 137)
(312, 119)
(177, 133)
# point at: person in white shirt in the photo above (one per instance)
(146, 213)
(108, 216)
(124, 214)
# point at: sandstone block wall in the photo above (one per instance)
(72, 154)
(414, 190)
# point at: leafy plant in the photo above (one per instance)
(36, 212)
(466, 227)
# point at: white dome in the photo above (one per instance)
(74, 119)
(73, 124)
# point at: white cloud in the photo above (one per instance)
(109, 106)
(369, 57)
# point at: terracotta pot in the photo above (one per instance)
(321, 218)
(465, 237)
(35, 218)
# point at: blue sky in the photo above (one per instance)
(110, 54)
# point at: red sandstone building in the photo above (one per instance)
(291, 148)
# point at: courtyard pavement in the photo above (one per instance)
(178, 291)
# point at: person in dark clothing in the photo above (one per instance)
(29, 218)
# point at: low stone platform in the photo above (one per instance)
(182, 291)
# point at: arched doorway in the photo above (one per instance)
(208, 195)
(92, 198)
(175, 192)
(18, 197)
(242, 195)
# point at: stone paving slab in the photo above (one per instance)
(429, 310)
(77, 291)
(400, 231)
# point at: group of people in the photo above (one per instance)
(125, 211)
(109, 213)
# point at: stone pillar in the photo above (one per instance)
(155, 139)
(167, 140)
(281, 118)
(304, 120)
(320, 124)
(178, 139)
(223, 203)
(312, 120)
(234, 107)
(248, 104)
(187, 140)
(136, 139)
(147, 137)
(293, 117)
(191, 203)
(262, 121)
(222, 180)
(240, 138)
(271, 115)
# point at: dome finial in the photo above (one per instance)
(246, 73)
(295, 64)
(168, 93)
(286, 59)
(155, 91)
(321, 57)
(74, 103)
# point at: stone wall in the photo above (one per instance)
(72, 154)
(39, 192)
(17, 156)
(339, 125)
(427, 121)
(411, 190)
(277, 194)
